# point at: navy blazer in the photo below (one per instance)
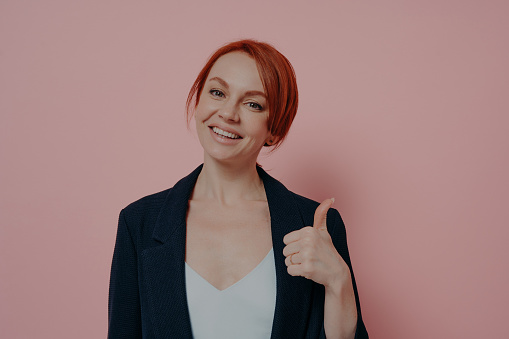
(147, 295)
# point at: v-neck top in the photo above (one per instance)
(243, 310)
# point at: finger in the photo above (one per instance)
(293, 259)
(291, 248)
(320, 220)
(295, 270)
(292, 236)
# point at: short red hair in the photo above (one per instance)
(278, 79)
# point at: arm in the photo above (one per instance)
(337, 232)
(340, 310)
(315, 254)
(124, 317)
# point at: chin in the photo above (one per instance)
(229, 158)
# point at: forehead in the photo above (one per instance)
(238, 69)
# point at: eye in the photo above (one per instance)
(255, 106)
(216, 93)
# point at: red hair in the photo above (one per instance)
(278, 79)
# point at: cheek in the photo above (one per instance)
(206, 108)
(200, 112)
(260, 128)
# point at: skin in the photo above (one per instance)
(228, 221)
(228, 228)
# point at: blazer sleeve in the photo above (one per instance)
(124, 311)
(337, 232)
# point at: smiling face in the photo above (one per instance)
(232, 112)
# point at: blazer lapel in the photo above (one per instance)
(164, 266)
(293, 293)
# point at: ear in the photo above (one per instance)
(271, 140)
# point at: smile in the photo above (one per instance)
(225, 134)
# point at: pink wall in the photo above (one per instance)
(403, 118)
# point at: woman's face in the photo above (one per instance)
(232, 113)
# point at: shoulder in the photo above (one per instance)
(140, 216)
(308, 206)
(149, 204)
(305, 205)
(152, 203)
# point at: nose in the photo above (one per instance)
(229, 112)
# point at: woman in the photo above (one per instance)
(229, 252)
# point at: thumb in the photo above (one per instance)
(320, 221)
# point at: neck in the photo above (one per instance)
(228, 183)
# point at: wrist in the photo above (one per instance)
(338, 287)
(339, 281)
(340, 306)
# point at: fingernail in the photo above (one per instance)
(333, 200)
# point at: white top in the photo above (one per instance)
(243, 310)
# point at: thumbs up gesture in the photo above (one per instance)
(310, 252)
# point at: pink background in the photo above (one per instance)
(403, 118)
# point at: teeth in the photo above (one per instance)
(225, 134)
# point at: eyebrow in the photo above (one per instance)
(225, 84)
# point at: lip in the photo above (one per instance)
(226, 129)
(223, 140)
